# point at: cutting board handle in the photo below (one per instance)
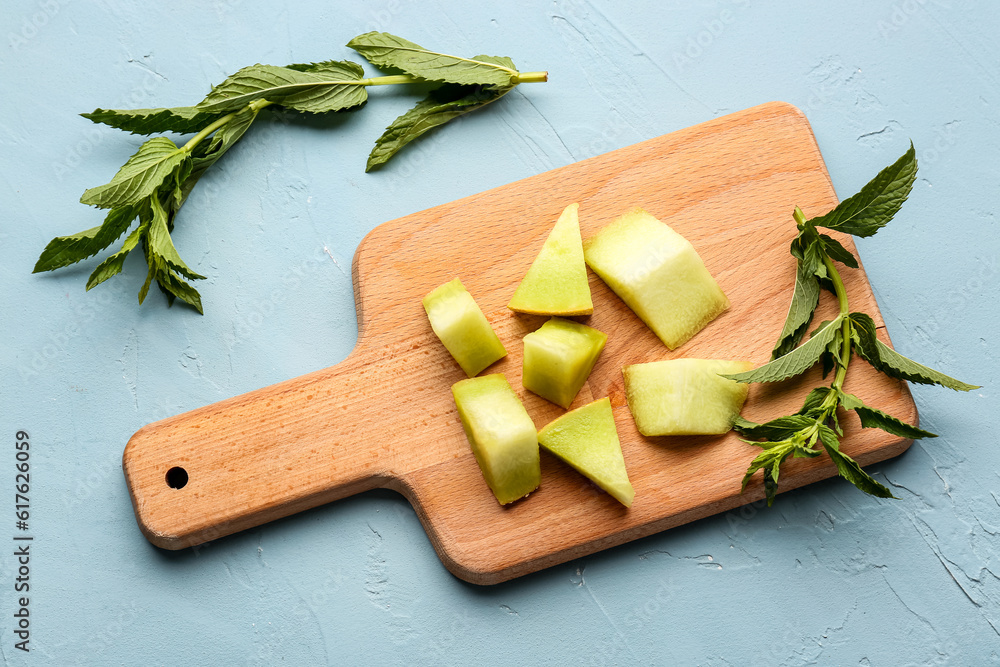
(266, 454)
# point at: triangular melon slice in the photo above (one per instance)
(556, 283)
(586, 438)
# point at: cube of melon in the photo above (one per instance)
(587, 439)
(462, 327)
(501, 434)
(558, 358)
(556, 283)
(685, 396)
(658, 274)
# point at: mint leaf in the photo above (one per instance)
(143, 174)
(814, 401)
(161, 246)
(175, 287)
(150, 121)
(385, 50)
(333, 87)
(65, 250)
(798, 360)
(875, 418)
(837, 251)
(849, 468)
(805, 298)
(774, 430)
(441, 106)
(113, 265)
(892, 363)
(875, 205)
(770, 461)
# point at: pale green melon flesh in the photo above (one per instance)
(685, 396)
(558, 358)
(556, 283)
(462, 327)
(501, 434)
(587, 439)
(658, 274)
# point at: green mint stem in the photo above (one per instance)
(387, 80)
(256, 105)
(532, 77)
(197, 139)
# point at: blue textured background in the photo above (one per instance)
(829, 576)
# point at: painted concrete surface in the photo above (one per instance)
(828, 576)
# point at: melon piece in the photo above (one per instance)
(558, 358)
(501, 434)
(586, 438)
(462, 327)
(658, 274)
(556, 283)
(685, 396)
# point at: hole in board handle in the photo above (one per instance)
(177, 477)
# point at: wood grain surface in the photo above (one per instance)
(384, 417)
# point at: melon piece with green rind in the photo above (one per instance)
(685, 396)
(558, 358)
(586, 438)
(463, 329)
(556, 283)
(501, 434)
(658, 274)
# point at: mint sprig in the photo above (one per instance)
(153, 184)
(815, 428)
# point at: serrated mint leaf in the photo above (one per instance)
(143, 174)
(892, 363)
(183, 120)
(774, 430)
(161, 246)
(831, 355)
(770, 461)
(65, 250)
(874, 418)
(175, 287)
(813, 259)
(838, 252)
(385, 50)
(798, 360)
(805, 298)
(112, 266)
(321, 91)
(875, 205)
(441, 106)
(155, 265)
(849, 468)
(338, 68)
(815, 400)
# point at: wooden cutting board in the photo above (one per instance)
(384, 417)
